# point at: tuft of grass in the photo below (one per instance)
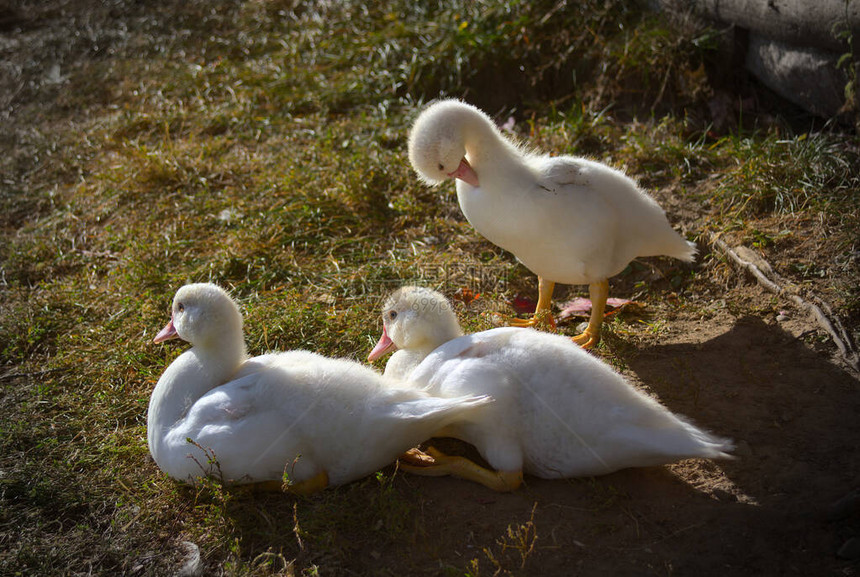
(517, 544)
(782, 175)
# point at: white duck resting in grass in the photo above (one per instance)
(558, 411)
(567, 219)
(296, 415)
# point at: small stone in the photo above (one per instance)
(229, 215)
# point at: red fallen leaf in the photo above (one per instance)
(577, 307)
(581, 307)
(523, 305)
(465, 295)
(621, 303)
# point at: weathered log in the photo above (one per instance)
(813, 23)
(806, 76)
(791, 46)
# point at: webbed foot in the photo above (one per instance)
(434, 463)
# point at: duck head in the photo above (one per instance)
(437, 143)
(202, 313)
(415, 318)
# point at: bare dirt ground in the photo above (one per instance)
(723, 359)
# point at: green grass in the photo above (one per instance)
(261, 145)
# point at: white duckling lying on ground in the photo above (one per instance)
(297, 415)
(558, 411)
(567, 219)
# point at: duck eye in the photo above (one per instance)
(180, 307)
(441, 167)
(392, 315)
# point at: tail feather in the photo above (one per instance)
(430, 407)
(680, 248)
(711, 446)
(667, 242)
(688, 255)
(688, 441)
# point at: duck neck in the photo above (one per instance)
(404, 361)
(440, 335)
(447, 333)
(485, 145)
(418, 354)
(189, 377)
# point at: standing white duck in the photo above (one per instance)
(558, 411)
(567, 219)
(319, 421)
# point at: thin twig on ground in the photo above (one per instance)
(772, 282)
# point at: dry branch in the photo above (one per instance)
(772, 282)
